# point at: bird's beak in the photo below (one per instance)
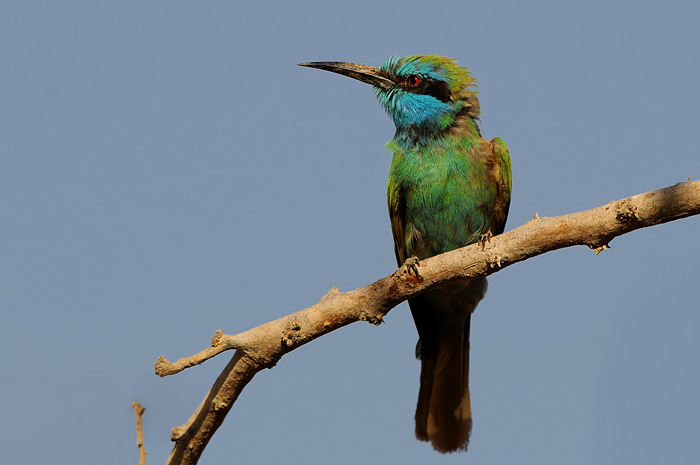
(364, 73)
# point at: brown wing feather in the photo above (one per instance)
(503, 177)
(397, 209)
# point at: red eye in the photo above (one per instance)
(413, 80)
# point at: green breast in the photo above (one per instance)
(445, 195)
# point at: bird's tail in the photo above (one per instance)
(443, 414)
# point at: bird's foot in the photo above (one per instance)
(412, 264)
(484, 238)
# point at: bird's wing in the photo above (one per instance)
(397, 209)
(504, 184)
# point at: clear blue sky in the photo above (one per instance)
(166, 170)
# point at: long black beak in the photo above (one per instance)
(364, 73)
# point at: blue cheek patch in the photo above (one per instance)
(409, 109)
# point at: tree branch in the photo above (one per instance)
(138, 410)
(263, 346)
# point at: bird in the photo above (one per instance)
(448, 188)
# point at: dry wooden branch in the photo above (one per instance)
(138, 409)
(263, 346)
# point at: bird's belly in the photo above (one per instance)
(442, 224)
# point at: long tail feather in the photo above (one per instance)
(443, 414)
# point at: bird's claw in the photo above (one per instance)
(484, 238)
(412, 264)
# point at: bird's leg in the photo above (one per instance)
(484, 238)
(412, 264)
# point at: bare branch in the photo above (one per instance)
(263, 346)
(138, 409)
(220, 342)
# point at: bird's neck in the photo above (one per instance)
(414, 137)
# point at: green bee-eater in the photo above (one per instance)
(448, 188)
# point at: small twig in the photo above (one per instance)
(138, 409)
(220, 342)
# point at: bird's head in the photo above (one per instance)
(423, 94)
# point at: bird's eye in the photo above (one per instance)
(413, 80)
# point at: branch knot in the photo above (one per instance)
(627, 212)
(292, 333)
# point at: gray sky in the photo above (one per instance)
(166, 170)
